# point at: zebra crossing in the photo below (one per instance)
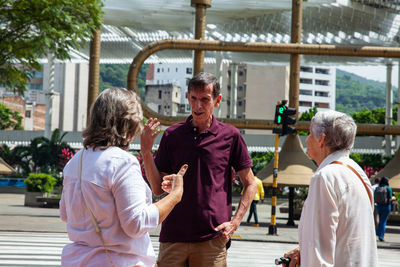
(44, 249)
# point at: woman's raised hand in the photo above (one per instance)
(173, 183)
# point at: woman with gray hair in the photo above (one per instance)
(336, 226)
(105, 201)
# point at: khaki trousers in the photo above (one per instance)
(210, 253)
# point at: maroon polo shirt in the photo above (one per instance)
(207, 197)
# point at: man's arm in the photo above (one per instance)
(250, 188)
(149, 134)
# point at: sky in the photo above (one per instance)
(377, 73)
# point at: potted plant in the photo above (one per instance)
(37, 185)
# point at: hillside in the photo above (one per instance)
(354, 93)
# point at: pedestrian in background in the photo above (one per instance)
(105, 201)
(198, 230)
(383, 196)
(376, 216)
(336, 226)
(257, 197)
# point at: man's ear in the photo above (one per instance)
(187, 95)
(218, 100)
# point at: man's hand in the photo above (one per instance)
(228, 228)
(174, 182)
(149, 134)
(294, 256)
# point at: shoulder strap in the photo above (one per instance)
(358, 175)
(96, 226)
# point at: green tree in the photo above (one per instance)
(31, 29)
(9, 119)
(307, 116)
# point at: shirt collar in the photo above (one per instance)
(213, 129)
(333, 157)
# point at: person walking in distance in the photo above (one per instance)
(257, 197)
(198, 230)
(383, 195)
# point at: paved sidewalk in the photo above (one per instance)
(15, 217)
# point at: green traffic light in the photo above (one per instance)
(279, 119)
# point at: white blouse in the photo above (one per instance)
(121, 202)
(336, 226)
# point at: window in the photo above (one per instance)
(176, 94)
(322, 82)
(168, 69)
(320, 93)
(240, 88)
(159, 108)
(322, 71)
(305, 103)
(189, 70)
(306, 81)
(27, 113)
(240, 103)
(162, 69)
(158, 69)
(306, 69)
(176, 69)
(305, 92)
(159, 94)
(321, 105)
(187, 82)
(240, 73)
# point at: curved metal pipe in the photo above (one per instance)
(307, 49)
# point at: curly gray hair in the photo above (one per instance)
(339, 129)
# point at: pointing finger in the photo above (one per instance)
(183, 169)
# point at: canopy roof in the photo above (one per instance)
(129, 25)
(5, 168)
(294, 168)
(392, 171)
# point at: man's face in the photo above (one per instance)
(202, 102)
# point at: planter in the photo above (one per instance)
(31, 199)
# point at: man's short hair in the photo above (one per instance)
(203, 79)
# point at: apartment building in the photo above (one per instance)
(69, 98)
(164, 99)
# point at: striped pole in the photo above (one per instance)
(272, 226)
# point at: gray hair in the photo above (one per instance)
(339, 129)
(115, 119)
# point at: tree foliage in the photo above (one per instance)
(355, 93)
(117, 75)
(9, 119)
(31, 29)
(375, 116)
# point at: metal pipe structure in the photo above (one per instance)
(94, 70)
(199, 32)
(294, 78)
(254, 47)
(388, 111)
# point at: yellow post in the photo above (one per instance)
(272, 227)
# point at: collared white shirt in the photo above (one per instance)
(337, 226)
(121, 202)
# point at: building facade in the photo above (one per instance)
(164, 99)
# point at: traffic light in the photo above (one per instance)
(287, 121)
(282, 117)
(279, 113)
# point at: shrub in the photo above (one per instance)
(40, 182)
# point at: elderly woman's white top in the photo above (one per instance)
(119, 198)
(337, 226)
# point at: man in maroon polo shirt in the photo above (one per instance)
(197, 231)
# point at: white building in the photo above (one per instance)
(317, 88)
